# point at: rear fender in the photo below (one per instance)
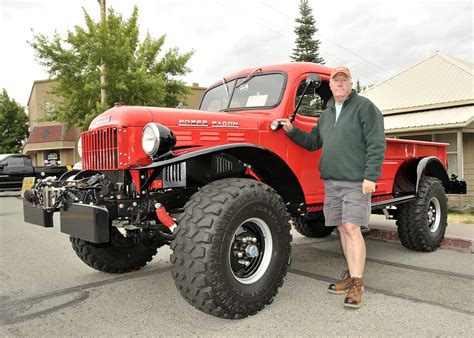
(410, 173)
(432, 166)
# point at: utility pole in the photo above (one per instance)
(103, 18)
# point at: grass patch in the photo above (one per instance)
(461, 217)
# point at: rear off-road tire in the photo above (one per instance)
(119, 255)
(422, 222)
(314, 228)
(223, 220)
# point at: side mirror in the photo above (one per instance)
(2, 165)
(313, 80)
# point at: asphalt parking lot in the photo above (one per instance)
(47, 291)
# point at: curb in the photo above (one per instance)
(453, 243)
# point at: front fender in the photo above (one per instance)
(270, 167)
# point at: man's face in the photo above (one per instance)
(340, 85)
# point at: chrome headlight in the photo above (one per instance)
(157, 139)
(79, 146)
(151, 139)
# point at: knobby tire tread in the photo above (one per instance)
(412, 223)
(195, 267)
(107, 258)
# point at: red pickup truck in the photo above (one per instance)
(221, 185)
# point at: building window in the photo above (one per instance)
(452, 150)
(52, 157)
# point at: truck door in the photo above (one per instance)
(12, 172)
(302, 161)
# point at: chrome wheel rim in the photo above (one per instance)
(434, 214)
(250, 251)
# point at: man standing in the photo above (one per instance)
(351, 133)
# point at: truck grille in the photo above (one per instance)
(100, 149)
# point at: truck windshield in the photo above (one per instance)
(263, 90)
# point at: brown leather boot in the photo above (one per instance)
(343, 285)
(354, 294)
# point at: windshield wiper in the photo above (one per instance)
(226, 88)
(249, 77)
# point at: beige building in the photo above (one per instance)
(434, 101)
(49, 142)
(55, 143)
(194, 98)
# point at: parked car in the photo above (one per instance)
(234, 182)
(15, 167)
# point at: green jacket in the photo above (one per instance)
(353, 147)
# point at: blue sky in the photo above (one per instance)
(376, 39)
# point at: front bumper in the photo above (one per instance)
(34, 214)
(88, 222)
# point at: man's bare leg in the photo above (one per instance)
(342, 238)
(353, 246)
(341, 286)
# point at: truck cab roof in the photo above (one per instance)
(4, 156)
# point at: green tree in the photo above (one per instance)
(359, 88)
(307, 48)
(136, 75)
(13, 124)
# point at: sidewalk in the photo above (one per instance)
(458, 236)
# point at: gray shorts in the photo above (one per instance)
(344, 202)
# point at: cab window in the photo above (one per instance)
(258, 91)
(314, 100)
(15, 162)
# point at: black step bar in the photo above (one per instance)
(393, 201)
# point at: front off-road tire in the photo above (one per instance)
(119, 255)
(314, 228)
(226, 225)
(422, 222)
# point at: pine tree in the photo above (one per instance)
(13, 124)
(359, 88)
(307, 48)
(138, 73)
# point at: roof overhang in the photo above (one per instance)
(48, 146)
(440, 105)
(457, 117)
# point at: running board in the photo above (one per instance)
(393, 201)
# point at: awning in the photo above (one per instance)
(457, 117)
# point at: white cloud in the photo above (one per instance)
(376, 39)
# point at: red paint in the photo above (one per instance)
(157, 184)
(136, 180)
(254, 128)
(250, 172)
(163, 216)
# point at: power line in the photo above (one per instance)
(323, 36)
(262, 23)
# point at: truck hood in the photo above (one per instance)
(191, 127)
(196, 128)
(187, 118)
(122, 116)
